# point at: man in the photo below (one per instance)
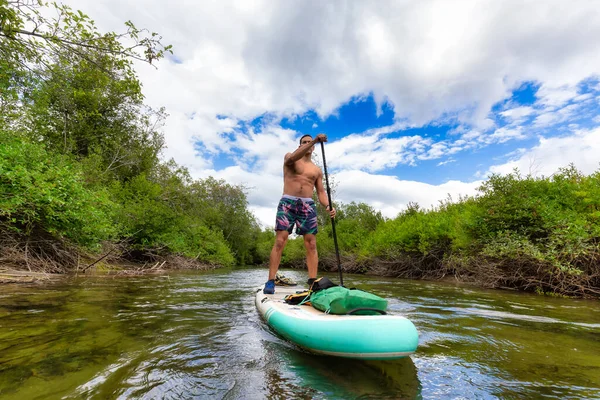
(300, 178)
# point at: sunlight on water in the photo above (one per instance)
(198, 335)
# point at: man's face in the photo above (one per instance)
(305, 141)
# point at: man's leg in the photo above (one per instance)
(281, 238)
(312, 258)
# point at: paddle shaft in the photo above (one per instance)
(337, 250)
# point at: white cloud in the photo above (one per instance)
(437, 150)
(518, 152)
(582, 148)
(264, 151)
(373, 152)
(556, 116)
(546, 119)
(583, 97)
(504, 134)
(472, 137)
(517, 113)
(448, 161)
(391, 195)
(265, 216)
(553, 97)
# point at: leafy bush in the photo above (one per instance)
(420, 232)
(41, 191)
(198, 242)
(153, 216)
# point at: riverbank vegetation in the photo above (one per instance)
(82, 183)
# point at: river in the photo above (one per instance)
(198, 335)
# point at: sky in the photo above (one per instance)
(419, 100)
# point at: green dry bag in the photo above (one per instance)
(340, 300)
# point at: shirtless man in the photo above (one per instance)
(296, 207)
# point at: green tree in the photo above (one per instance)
(30, 43)
(81, 110)
(43, 193)
(158, 218)
(226, 209)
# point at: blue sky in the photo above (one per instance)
(419, 99)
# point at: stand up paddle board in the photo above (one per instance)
(368, 337)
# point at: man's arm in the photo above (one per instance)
(291, 158)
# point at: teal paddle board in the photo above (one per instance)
(368, 337)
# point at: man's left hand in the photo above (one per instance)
(321, 137)
(332, 213)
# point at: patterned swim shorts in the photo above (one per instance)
(296, 211)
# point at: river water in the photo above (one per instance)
(198, 335)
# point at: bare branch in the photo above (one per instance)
(81, 44)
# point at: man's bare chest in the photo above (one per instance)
(303, 171)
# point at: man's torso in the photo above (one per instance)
(299, 179)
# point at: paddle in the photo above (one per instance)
(337, 251)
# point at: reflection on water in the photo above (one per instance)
(198, 335)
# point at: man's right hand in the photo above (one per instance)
(321, 138)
